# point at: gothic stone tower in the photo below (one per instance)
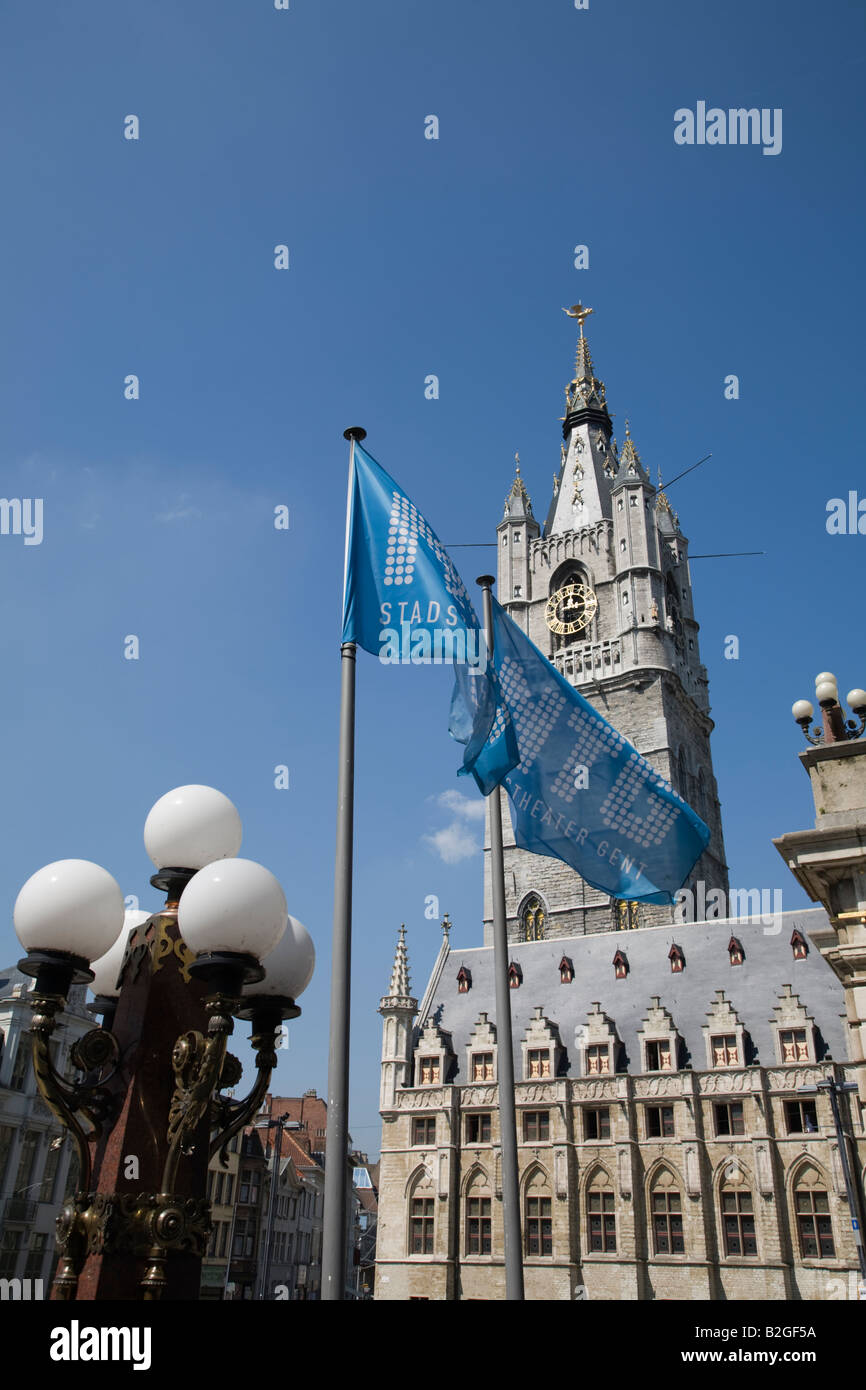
(604, 591)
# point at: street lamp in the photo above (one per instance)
(834, 1089)
(835, 729)
(168, 986)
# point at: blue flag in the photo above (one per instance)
(404, 601)
(581, 792)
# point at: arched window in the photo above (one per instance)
(666, 1212)
(478, 1218)
(738, 1222)
(538, 1215)
(814, 1222)
(626, 914)
(422, 1215)
(601, 1213)
(532, 920)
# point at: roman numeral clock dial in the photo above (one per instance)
(570, 609)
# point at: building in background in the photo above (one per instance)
(38, 1162)
(666, 1148)
(365, 1180)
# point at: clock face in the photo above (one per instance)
(570, 609)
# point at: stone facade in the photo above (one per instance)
(666, 1112)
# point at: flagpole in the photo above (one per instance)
(335, 1226)
(505, 1069)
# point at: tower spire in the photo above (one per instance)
(585, 394)
(400, 987)
(517, 503)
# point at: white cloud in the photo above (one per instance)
(466, 807)
(456, 840)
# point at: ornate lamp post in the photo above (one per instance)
(147, 1112)
(835, 728)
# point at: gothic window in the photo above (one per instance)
(536, 1126)
(666, 1211)
(538, 1226)
(479, 1225)
(601, 1214)
(532, 920)
(626, 914)
(482, 1066)
(814, 1223)
(421, 1222)
(538, 1062)
(724, 1050)
(738, 1223)
(798, 945)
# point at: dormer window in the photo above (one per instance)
(658, 1056)
(724, 1050)
(677, 959)
(798, 946)
(482, 1066)
(793, 1044)
(598, 1060)
(464, 980)
(620, 966)
(566, 971)
(431, 1071)
(515, 976)
(735, 951)
(538, 1062)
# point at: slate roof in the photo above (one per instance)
(753, 988)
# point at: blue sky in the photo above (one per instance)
(407, 257)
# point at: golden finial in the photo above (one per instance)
(517, 461)
(578, 312)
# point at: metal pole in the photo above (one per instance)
(846, 1172)
(507, 1114)
(275, 1177)
(336, 1205)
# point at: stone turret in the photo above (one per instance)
(398, 1009)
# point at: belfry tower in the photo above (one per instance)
(604, 591)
